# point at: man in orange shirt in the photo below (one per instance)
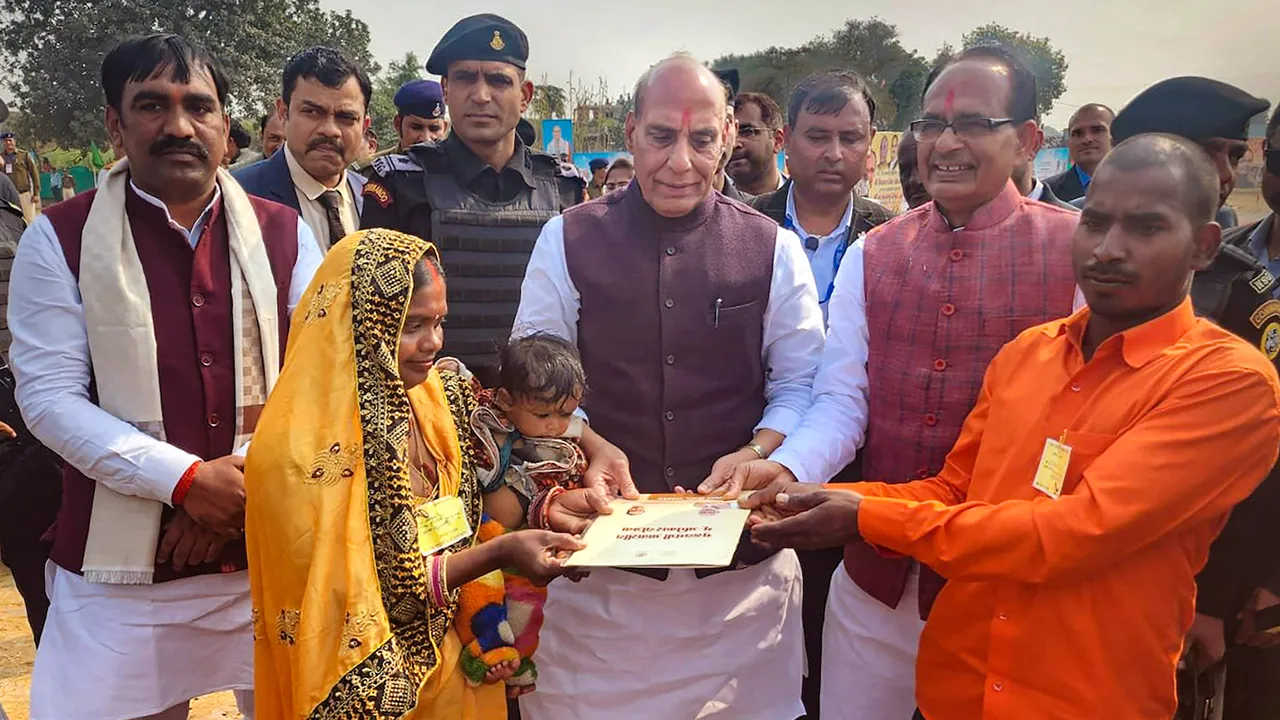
(1102, 458)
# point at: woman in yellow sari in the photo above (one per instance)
(356, 449)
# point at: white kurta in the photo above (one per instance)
(111, 652)
(627, 647)
(624, 646)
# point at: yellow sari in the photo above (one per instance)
(342, 624)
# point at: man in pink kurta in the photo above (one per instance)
(920, 308)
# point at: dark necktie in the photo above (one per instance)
(332, 200)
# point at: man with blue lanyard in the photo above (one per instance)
(827, 138)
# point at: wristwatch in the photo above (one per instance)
(756, 448)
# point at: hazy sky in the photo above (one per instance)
(1115, 48)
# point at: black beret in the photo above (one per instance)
(1191, 107)
(730, 79)
(6, 135)
(423, 98)
(598, 164)
(480, 37)
(526, 133)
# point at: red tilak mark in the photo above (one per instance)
(686, 119)
(951, 101)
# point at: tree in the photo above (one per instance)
(55, 75)
(382, 109)
(549, 101)
(1047, 63)
(872, 48)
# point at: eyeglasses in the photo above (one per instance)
(750, 131)
(972, 128)
(1272, 156)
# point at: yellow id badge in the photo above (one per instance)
(1052, 473)
(441, 523)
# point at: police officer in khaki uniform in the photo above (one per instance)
(481, 195)
(1240, 294)
(21, 169)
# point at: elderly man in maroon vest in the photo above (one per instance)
(149, 319)
(920, 308)
(700, 332)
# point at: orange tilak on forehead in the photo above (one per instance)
(686, 119)
(950, 103)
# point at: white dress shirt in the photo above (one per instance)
(51, 363)
(1037, 190)
(822, 259)
(309, 190)
(793, 334)
(835, 427)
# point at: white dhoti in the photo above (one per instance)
(116, 652)
(869, 652)
(626, 647)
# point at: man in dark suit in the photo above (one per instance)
(325, 107)
(818, 203)
(1024, 177)
(1089, 139)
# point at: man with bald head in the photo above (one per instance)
(1104, 453)
(920, 306)
(1089, 140)
(701, 360)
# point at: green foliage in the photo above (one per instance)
(896, 75)
(872, 48)
(383, 107)
(53, 50)
(1047, 62)
(549, 102)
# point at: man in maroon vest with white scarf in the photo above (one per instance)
(920, 308)
(149, 319)
(699, 328)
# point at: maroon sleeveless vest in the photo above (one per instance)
(674, 384)
(191, 307)
(940, 305)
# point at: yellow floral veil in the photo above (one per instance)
(342, 626)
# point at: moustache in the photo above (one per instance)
(330, 143)
(170, 144)
(1108, 273)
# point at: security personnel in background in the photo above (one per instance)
(481, 195)
(420, 118)
(1240, 294)
(21, 169)
(420, 113)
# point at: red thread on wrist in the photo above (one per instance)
(184, 484)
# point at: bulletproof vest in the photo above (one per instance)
(1236, 292)
(485, 248)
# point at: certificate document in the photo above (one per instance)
(664, 531)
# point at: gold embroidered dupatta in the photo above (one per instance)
(342, 626)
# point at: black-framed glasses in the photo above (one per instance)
(970, 128)
(1272, 157)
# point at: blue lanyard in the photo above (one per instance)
(836, 259)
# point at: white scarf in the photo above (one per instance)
(123, 529)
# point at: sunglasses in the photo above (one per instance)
(1272, 156)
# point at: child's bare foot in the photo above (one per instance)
(502, 671)
(515, 691)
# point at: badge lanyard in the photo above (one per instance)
(836, 259)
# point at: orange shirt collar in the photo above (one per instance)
(1140, 344)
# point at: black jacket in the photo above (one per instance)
(1066, 186)
(1234, 292)
(866, 213)
(1048, 197)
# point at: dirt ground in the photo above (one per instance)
(17, 653)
